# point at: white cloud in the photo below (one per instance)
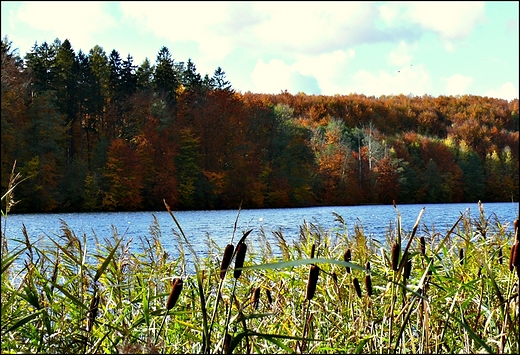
(400, 56)
(181, 22)
(457, 84)
(329, 69)
(76, 21)
(507, 92)
(451, 19)
(313, 27)
(271, 77)
(414, 80)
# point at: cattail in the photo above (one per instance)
(239, 261)
(256, 297)
(395, 256)
(357, 287)
(314, 273)
(92, 312)
(226, 260)
(500, 256)
(227, 342)
(423, 245)
(269, 297)
(177, 285)
(368, 285)
(516, 255)
(461, 256)
(334, 277)
(407, 268)
(346, 257)
(312, 250)
(511, 257)
(367, 266)
(395, 205)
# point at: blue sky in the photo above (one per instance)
(370, 48)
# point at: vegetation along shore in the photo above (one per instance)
(325, 292)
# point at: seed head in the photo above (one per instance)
(512, 257)
(256, 297)
(395, 256)
(226, 260)
(269, 297)
(314, 273)
(407, 268)
(357, 287)
(313, 247)
(92, 312)
(347, 257)
(423, 245)
(516, 255)
(368, 285)
(177, 285)
(461, 256)
(239, 261)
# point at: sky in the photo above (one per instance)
(318, 48)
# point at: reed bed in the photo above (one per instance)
(335, 291)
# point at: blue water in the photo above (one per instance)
(375, 220)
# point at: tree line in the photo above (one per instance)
(95, 132)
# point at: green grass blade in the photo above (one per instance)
(109, 258)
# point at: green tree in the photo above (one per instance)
(188, 170)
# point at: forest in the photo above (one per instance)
(96, 132)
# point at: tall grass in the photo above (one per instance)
(72, 296)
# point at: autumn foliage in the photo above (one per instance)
(94, 132)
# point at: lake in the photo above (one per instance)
(219, 224)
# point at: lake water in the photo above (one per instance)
(219, 224)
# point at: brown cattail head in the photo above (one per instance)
(347, 257)
(367, 266)
(269, 297)
(395, 256)
(226, 260)
(92, 312)
(368, 285)
(177, 285)
(423, 245)
(515, 227)
(407, 268)
(357, 287)
(239, 261)
(313, 247)
(256, 297)
(227, 342)
(314, 273)
(461, 256)
(500, 256)
(511, 257)
(516, 255)
(334, 277)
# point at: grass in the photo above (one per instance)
(69, 296)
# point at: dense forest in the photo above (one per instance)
(94, 132)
